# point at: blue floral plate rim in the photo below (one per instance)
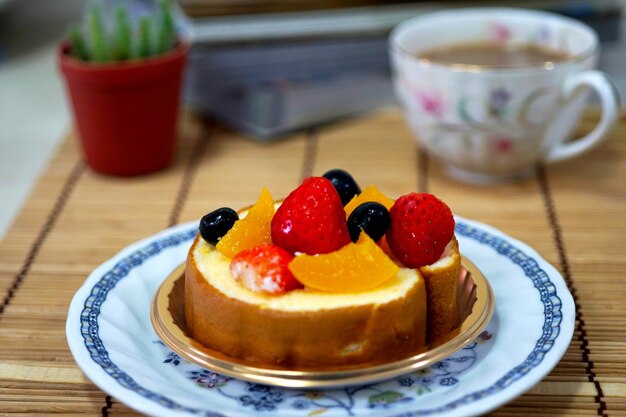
(99, 360)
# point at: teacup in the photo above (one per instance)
(488, 123)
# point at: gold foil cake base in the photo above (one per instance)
(476, 304)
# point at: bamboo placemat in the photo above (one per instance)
(573, 214)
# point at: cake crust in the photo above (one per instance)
(327, 338)
(442, 289)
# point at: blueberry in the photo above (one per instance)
(217, 223)
(343, 183)
(371, 217)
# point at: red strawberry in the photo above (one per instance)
(311, 219)
(421, 227)
(264, 269)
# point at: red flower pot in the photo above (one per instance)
(126, 112)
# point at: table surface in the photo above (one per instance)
(573, 214)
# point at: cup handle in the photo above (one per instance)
(609, 100)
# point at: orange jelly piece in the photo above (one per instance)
(359, 266)
(370, 193)
(250, 231)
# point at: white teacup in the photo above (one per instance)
(487, 124)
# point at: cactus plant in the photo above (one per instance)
(122, 40)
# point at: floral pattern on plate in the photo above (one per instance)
(112, 340)
(383, 395)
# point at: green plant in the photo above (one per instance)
(122, 40)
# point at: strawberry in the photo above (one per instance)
(311, 219)
(421, 227)
(264, 269)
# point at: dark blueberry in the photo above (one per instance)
(371, 217)
(217, 223)
(343, 183)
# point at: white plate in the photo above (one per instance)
(113, 342)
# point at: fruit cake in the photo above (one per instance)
(330, 277)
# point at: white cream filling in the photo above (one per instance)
(445, 259)
(215, 268)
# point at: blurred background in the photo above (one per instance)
(265, 68)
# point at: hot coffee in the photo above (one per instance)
(492, 55)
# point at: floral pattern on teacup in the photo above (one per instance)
(542, 35)
(504, 119)
(502, 144)
(431, 102)
(502, 34)
(499, 32)
(499, 98)
(505, 113)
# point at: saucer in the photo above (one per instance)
(112, 340)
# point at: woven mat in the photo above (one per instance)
(573, 214)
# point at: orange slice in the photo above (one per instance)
(253, 230)
(359, 266)
(370, 193)
(382, 243)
